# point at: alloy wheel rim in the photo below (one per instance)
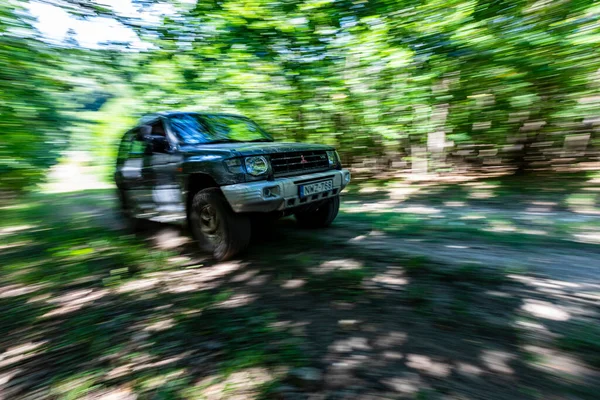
(208, 222)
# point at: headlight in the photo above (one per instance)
(332, 158)
(256, 165)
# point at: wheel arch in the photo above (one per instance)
(195, 183)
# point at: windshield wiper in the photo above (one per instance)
(261, 140)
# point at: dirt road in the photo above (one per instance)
(418, 299)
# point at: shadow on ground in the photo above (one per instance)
(87, 310)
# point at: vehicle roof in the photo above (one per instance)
(150, 117)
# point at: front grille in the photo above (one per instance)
(298, 162)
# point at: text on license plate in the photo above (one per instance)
(314, 188)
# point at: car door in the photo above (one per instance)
(134, 177)
(161, 169)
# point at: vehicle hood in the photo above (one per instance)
(258, 148)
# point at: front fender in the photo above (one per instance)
(214, 166)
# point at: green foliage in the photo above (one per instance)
(30, 119)
(373, 78)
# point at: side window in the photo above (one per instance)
(137, 146)
(124, 147)
(158, 129)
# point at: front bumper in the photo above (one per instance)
(281, 193)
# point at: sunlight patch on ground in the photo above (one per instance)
(392, 340)
(185, 280)
(402, 193)
(16, 354)
(464, 368)
(74, 300)
(545, 310)
(293, 284)
(169, 239)
(455, 204)
(533, 232)
(427, 365)
(370, 189)
(422, 210)
(161, 325)
(344, 264)
(473, 217)
(349, 345)
(358, 238)
(498, 361)
(237, 300)
(137, 285)
(591, 238)
(408, 384)
(542, 282)
(392, 355)
(556, 362)
(15, 229)
(481, 185)
(18, 206)
(500, 226)
(481, 194)
(18, 290)
(15, 245)
(391, 279)
(245, 276)
(237, 385)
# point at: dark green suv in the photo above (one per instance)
(217, 172)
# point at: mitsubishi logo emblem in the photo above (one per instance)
(302, 160)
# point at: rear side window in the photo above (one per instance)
(138, 147)
(124, 148)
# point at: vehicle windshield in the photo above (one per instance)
(196, 129)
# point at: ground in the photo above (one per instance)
(472, 289)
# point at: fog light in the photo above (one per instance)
(272, 191)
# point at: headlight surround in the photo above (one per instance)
(256, 165)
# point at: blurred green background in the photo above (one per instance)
(421, 85)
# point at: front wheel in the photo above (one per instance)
(320, 217)
(216, 227)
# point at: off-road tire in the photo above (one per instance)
(233, 229)
(320, 217)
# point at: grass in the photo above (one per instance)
(485, 231)
(65, 247)
(491, 220)
(583, 338)
(183, 342)
(339, 284)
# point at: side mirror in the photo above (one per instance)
(144, 133)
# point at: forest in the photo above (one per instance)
(498, 82)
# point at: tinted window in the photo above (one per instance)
(158, 129)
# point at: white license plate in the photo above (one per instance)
(314, 188)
